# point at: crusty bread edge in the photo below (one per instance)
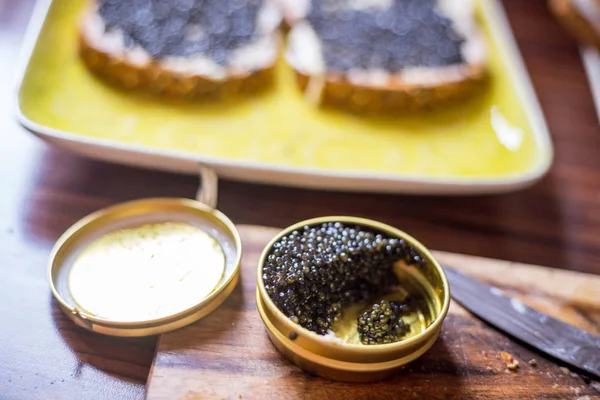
(340, 92)
(343, 94)
(575, 23)
(397, 93)
(152, 76)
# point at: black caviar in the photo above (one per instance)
(312, 273)
(410, 33)
(184, 27)
(382, 323)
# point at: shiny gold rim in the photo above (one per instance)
(88, 320)
(383, 348)
(375, 367)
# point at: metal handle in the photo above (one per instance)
(209, 186)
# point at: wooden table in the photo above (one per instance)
(44, 190)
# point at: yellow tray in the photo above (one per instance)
(496, 142)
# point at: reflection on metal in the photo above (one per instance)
(146, 272)
(208, 191)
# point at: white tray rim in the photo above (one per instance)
(302, 177)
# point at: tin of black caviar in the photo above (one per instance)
(147, 266)
(350, 299)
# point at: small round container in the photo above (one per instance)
(197, 214)
(333, 359)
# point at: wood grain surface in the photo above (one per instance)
(227, 355)
(44, 190)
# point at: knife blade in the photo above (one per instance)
(549, 335)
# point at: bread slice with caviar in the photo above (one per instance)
(385, 55)
(182, 47)
(581, 18)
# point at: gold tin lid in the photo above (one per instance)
(338, 359)
(147, 266)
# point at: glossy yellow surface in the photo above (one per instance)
(146, 272)
(490, 136)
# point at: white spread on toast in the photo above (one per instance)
(305, 54)
(299, 9)
(372, 77)
(433, 76)
(269, 18)
(461, 13)
(112, 41)
(358, 4)
(295, 9)
(194, 65)
(304, 49)
(254, 56)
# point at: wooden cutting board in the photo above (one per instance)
(227, 355)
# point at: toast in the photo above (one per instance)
(185, 48)
(581, 18)
(374, 55)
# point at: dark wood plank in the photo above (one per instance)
(228, 354)
(44, 190)
(43, 355)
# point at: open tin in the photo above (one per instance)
(344, 361)
(84, 278)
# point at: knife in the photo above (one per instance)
(549, 335)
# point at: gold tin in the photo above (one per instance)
(355, 362)
(193, 213)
